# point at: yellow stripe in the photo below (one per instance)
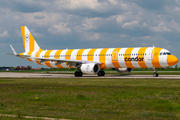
(79, 54)
(155, 57)
(57, 56)
(23, 36)
(102, 58)
(172, 60)
(31, 43)
(21, 54)
(38, 53)
(141, 54)
(114, 57)
(47, 56)
(68, 54)
(90, 56)
(29, 53)
(128, 55)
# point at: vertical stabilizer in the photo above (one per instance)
(30, 44)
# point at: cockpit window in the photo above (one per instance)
(165, 53)
(168, 53)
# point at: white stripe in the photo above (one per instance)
(36, 46)
(96, 54)
(33, 55)
(146, 57)
(73, 54)
(121, 58)
(163, 59)
(27, 39)
(64, 65)
(85, 52)
(108, 58)
(42, 54)
(53, 64)
(135, 63)
(52, 57)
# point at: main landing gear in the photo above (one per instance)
(78, 74)
(101, 73)
(155, 73)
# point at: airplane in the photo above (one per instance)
(95, 60)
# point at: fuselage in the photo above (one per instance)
(137, 57)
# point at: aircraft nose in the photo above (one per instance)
(172, 60)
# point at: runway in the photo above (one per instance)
(37, 75)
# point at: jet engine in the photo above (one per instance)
(90, 68)
(123, 70)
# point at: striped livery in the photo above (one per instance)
(138, 57)
(109, 57)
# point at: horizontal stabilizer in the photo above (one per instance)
(24, 56)
(8, 54)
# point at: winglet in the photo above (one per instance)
(15, 53)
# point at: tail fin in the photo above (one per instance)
(30, 44)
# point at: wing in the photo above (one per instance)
(69, 62)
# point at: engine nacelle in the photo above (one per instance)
(123, 70)
(90, 68)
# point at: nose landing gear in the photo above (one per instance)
(155, 73)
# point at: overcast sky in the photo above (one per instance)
(57, 24)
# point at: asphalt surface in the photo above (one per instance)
(37, 75)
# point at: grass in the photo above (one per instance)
(91, 98)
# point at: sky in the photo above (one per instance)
(61, 24)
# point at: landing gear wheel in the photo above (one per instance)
(155, 74)
(101, 73)
(78, 74)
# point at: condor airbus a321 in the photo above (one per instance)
(93, 61)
